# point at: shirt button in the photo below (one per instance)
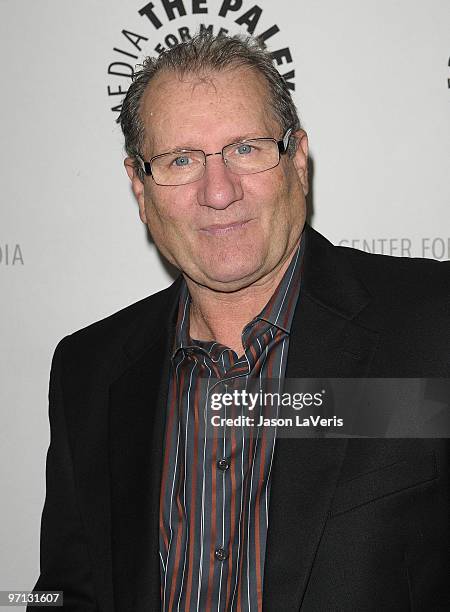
(223, 464)
(220, 554)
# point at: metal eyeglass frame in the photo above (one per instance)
(282, 149)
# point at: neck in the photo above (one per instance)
(220, 316)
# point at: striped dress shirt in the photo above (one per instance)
(215, 487)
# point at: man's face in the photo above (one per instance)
(224, 231)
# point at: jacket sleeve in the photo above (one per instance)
(64, 559)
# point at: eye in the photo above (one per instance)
(244, 149)
(182, 161)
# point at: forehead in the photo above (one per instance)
(197, 111)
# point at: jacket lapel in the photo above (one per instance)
(136, 430)
(325, 341)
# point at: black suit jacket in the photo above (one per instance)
(359, 524)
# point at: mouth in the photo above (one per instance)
(221, 229)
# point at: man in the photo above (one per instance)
(144, 511)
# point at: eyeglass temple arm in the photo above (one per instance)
(145, 165)
(283, 144)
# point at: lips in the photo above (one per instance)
(219, 229)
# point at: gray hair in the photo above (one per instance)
(202, 53)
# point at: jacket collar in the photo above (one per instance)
(329, 279)
(160, 318)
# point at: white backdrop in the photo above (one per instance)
(371, 83)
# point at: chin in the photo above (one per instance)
(228, 269)
(231, 278)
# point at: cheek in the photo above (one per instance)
(164, 209)
(170, 223)
(271, 197)
(282, 208)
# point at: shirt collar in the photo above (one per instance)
(279, 310)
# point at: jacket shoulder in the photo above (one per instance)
(403, 277)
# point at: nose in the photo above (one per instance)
(218, 187)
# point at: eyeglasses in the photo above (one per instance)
(184, 166)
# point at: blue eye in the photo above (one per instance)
(244, 149)
(181, 161)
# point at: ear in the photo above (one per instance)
(301, 159)
(137, 186)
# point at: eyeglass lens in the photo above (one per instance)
(249, 157)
